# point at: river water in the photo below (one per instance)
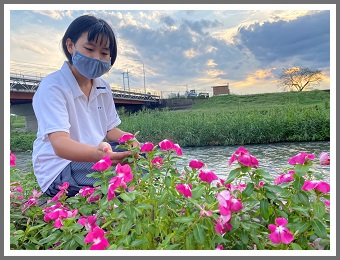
(271, 157)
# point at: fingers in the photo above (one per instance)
(119, 155)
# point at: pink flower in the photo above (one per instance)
(184, 189)
(85, 191)
(63, 191)
(102, 164)
(223, 225)
(228, 203)
(64, 186)
(147, 147)
(178, 149)
(158, 161)
(203, 212)
(125, 138)
(57, 215)
(244, 158)
(207, 176)
(88, 222)
(327, 203)
(286, 177)
(280, 233)
(96, 236)
(166, 145)
(88, 191)
(17, 188)
(301, 158)
(322, 186)
(324, 159)
(13, 159)
(196, 164)
(124, 171)
(219, 247)
(115, 182)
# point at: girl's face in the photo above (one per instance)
(92, 49)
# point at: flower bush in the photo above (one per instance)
(148, 204)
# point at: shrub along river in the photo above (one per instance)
(271, 157)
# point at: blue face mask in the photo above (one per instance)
(89, 67)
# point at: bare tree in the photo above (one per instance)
(299, 78)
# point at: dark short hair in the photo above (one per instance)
(95, 27)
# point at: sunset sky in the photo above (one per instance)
(185, 47)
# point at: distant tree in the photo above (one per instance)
(299, 78)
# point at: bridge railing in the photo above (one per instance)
(30, 83)
(135, 95)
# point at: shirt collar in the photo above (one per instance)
(98, 86)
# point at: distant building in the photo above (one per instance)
(221, 90)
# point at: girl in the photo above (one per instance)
(76, 114)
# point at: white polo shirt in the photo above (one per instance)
(60, 105)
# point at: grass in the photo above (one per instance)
(224, 120)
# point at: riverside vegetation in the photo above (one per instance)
(223, 120)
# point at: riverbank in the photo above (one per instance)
(224, 120)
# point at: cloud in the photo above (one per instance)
(199, 48)
(55, 14)
(306, 37)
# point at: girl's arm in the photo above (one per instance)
(69, 149)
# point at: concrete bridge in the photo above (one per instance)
(23, 87)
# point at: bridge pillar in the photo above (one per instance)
(27, 111)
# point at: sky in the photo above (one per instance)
(184, 47)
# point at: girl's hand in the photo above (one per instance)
(105, 149)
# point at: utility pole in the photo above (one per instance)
(144, 75)
(127, 76)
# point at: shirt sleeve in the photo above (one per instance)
(50, 107)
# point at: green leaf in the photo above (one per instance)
(79, 238)
(30, 228)
(104, 188)
(95, 175)
(130, 212)
(30, 246)
(184, 219)
(298, 226)
(244, 237)
(171, 247)
(162, 197)
(248, 190)
(127, 196)
(300, 170)
(301, 210)
(199, 234)
(75, 227)
(264, 209)
(273, 188)
(318, 209)
(303, 198)
(264, 174)
(235, 222)
(295, 246)
(144, 206)
(51, 238)
(14, 240)
(271, 195)
(319, 228)
(198, 191)
(299, 181)
(70, 245)
(138, 242)
(232, 175)
(189, 242)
